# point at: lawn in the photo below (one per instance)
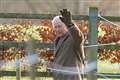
(103, 67)
(107, 67)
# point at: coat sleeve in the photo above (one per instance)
(76, 35)
(78, 40)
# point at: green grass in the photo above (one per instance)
(103, 67)
(28, 78)
(108, 79)
(107, 67)
(25, 78)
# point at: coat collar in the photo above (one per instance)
(60, 44)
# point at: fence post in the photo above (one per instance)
(92, 39)
(18, 68)
(31, 51)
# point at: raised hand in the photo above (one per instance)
(66, 17)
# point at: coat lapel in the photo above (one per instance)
(60, 43)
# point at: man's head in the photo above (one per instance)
(59, 27)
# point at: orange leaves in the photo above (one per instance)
(111, 35)
(43, 32)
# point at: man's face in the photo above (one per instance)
(59, 30)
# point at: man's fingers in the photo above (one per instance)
(61, 12)
(65, 14)
(65, 10)
(69, 13)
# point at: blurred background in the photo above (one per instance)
(106, 7)
(26, 44)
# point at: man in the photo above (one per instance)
(68, 45)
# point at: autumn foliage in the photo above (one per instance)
(24, 30)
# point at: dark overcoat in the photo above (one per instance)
(69, 52)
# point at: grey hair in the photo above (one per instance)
(56, 20)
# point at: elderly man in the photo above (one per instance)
(69, 50)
